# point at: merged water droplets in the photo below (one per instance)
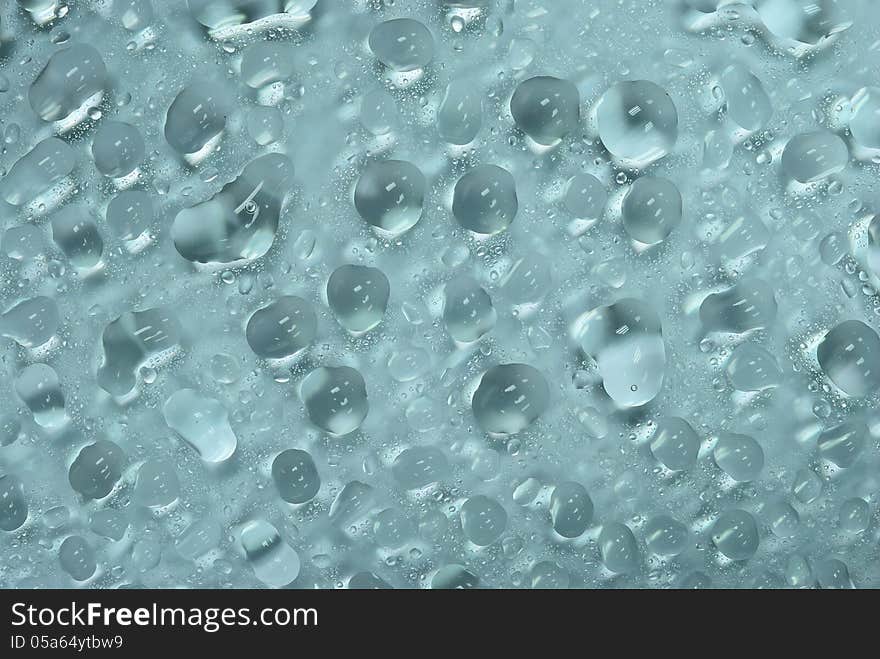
(240, 221)
(131, 340)
(202, 422)
(626, 342)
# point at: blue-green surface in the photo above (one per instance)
(423, 294)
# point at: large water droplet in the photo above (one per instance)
(467, 310)
(36, 171)
(336, 399)
(509, 398)
(197, 115)
(849, 354)
(546, 108)
(752, 368)
(675, 443)
(70, 78)
(117, 148)
(811, 157)
(295, 476)
(745, 306)
(402, 44)
(389, 195)
(274, 561)
(620, 551)
(419, 466)
(571, 509)
(739, 456)
(13, 505)
(282, 328)
(637, 121)
(460, 114)
(748, 105)
(96, 469)
(76, 234)
(651, 209)
(484, 200)
(77, 558)
(842, 444)
(358, 296)
(483, 520)
(31, 323)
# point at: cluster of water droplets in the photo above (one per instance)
(439, 294)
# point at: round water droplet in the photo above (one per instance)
(665, 536)
(483, 520)
(460, 113)
(358, 296)
(336, 399)
(638, 122)
(295, 476)
(282, 328)
(625, 340)
(274, 561)
(484, 200)
(402, 44)
(392, 529)
(651, 209)
(811, 157)
(864, 123)
(130, 213)
(38, 386)
(389, 195)
(546, 108)
(157, 484)
(752, 368)
(849, 354)
(585, 197)
(735, 534)
(509, 398)
(419, 466)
